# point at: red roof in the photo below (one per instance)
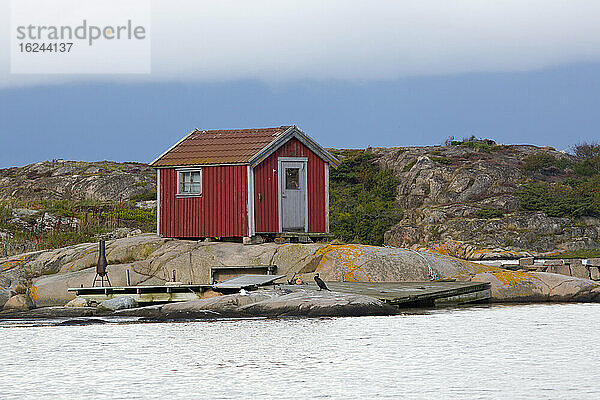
(219, 146)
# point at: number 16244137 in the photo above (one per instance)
(45, 47)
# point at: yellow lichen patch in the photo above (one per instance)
(33, 293)
(348, 255)
(505, 276)
(514, 278)
(477, 268)
(441, 248)
(458, 249)
(14, 263)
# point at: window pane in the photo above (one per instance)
(292, 178)
(190, 182)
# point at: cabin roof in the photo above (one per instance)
(234, 146)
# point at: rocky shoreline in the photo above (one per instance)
(266, 303)
(41, 279)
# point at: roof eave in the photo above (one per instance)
(199, 165)
(293, 131)
(171, 148)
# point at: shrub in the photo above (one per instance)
(539, 161)
(588, 156)
(362, 200)
(5, 214)
(55, 240)
(441, 160)
(558, 200)
(144, 196)
(488, 213)
(132, 214)
(587, 151)
(474, 143)
(584, 168)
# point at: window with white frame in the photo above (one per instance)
(189, 182)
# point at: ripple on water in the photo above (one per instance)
(526, 351)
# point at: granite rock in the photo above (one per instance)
(117, 303)
(78, 302)
(19, 302)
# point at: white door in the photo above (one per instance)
(292, 192)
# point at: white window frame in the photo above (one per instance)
(180, 172)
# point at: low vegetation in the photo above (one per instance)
(539, 162)
(67, 223)
(473, 142)
(576, 195)
(581, 253)
(362, 199)
(145, 196)
(489, 213)
(441, 160)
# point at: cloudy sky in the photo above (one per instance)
(349, 73)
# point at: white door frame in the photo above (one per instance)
(158, 202)
(303, 160)
(251, 221)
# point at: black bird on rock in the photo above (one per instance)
(320, 283)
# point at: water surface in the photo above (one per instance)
(498, 352)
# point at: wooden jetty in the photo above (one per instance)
(174, 291)
(398, 294)
(418, 294)
(143, 294)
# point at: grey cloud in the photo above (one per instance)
(278, 41)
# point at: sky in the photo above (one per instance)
(349, 73)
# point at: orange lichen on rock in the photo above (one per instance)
(512, 278)
(14, 263)
(348, 256)
(33, 294)
(467, 251)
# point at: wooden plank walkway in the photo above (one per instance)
(399, 294)
(143, 294)
(417, 294)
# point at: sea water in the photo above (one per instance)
(543, 351)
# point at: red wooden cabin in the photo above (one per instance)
(243, 182)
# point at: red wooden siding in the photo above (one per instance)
(221, 211)
(266, 210)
